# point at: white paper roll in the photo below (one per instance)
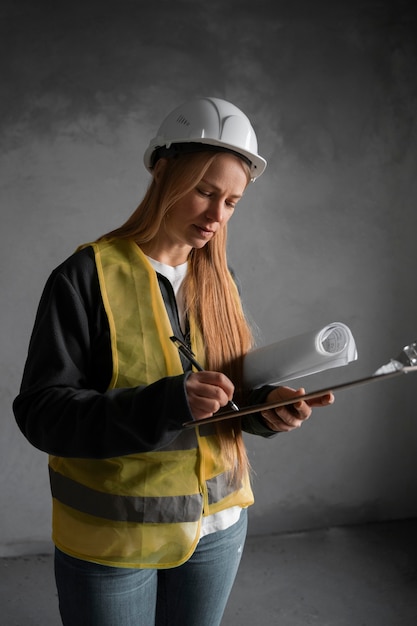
(309, 353)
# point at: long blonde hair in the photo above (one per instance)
(210, 293)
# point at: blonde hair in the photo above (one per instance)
(210, 292)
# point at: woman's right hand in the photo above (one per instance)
(207, 392)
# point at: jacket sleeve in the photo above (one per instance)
(254, 424)
(64, 407)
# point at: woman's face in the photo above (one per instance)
(195, 219)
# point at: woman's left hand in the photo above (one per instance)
(286, 418)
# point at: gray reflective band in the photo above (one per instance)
(220, 487)
(149, 510)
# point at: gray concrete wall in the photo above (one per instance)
(328, 233)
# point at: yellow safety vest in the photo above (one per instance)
(140, 510)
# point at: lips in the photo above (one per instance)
(205, 231)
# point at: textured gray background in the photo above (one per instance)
(328, 233)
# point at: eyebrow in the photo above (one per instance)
(213, 186)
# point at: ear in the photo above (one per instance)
(159, 169)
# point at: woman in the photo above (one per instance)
(149, 518)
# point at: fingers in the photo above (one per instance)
(207, 392)
(281, 423)
(287, 418)
(325, 400)
(284, 419)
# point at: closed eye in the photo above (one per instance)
(208, 194)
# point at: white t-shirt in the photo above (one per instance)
(226, 518)
(176, 276)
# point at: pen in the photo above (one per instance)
(189, 355)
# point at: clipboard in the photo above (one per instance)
(256, 408)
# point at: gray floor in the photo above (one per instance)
(355, 576)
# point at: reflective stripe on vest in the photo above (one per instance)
(140, 510)
(149, 510)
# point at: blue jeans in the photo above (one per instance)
(193, 594)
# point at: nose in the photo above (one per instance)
(216, 210)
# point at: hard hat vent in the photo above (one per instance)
(183, 120)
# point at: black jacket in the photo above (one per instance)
(64, 406)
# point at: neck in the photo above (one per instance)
(172, 257)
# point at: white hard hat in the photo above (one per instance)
(208, 121)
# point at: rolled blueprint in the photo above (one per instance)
(309, 353)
